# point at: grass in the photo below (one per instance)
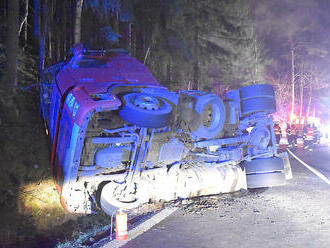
(30, 210)
(41, 201)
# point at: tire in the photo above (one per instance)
(259, 104)
(265, 180)
(110, 204)
(257, 90)
(212, 114)
(145, 110)
(264, 165)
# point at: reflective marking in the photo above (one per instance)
(140, 229)
(315, 171)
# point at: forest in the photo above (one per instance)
(209, 45)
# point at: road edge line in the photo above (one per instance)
(142, 228)
(315, 171)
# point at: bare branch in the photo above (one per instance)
(25, 18)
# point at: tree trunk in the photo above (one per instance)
(309, 100)
(10, 78)
(256, 52)
(51, 31)
(36, 18)
(43, 34)
(292, 82)
(130, 37)
(77, 23)
(301, 97)
(71, 20)
(195, 66)
(146, 56)
(42, 42)
(26, 23)
(65, 28)
(4, 8)
(50, 45)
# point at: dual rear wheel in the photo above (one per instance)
(257, 98)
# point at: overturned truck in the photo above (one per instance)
(119, 139)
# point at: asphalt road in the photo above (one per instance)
(294, 215)
(319, 158)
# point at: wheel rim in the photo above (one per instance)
(145, 110)
(146, 102)
(212, 113)
(112, 198)
(207, 115)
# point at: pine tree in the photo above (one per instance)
(12, 47)
(203, 43)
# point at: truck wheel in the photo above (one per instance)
(212, 113)
(265, 180)
(145, 110)
(258, 104)
(257, 90)
(110, 200)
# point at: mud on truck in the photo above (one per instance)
(119, 139)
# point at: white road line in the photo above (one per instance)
(315, 171)
(140, 229)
